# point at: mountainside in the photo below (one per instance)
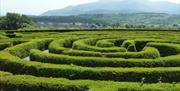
(117, 6)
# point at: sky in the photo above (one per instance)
(36, 7)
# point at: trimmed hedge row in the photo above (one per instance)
(22, 50)
(147, 53)
(44, 57)
(62, 46)
(139, 44)
(3, 74)
(58, 46)
(89, 45)
(166, 49)
(17, 66)
(5, 45)
(31, 83)
(105, 43)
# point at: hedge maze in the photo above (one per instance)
(90, 61)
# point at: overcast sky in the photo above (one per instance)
(36, 7)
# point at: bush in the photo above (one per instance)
(147, 53)
(11, 35)
(132, 48)
(32, 83)
(3, 74)
(22, 50)
(166, 49)
(40, 56)
(58, 46)
(5, 45)
(105, 43)
(15, 65)
(127, 43)
(86, 44)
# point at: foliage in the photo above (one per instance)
(95, 65)
(13, 21)
(29, 83)
(129, 20)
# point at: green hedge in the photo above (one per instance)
(58, 46)
(85, 50)
(105, 43)
(3, 74)
(40, 56)
(89, 45)
(166, 49)
(22, 50)
(5, 45)
(15, 65)
(32, 83)
(127, 43)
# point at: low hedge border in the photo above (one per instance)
(87, 45)
(146, 53)
(63, 46)
(15, 65)
(166, 49)
(32, 83)
(40, 56)
(58, 47)
(22, 50)
(106, 43)
(5, 45)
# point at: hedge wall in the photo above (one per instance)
(32, 83)
(15, 65)
(5, 45)
(87, 44)
(166, 49)
(22, 50)
(40, 56)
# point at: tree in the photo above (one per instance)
(13, 21)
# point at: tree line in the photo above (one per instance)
(14, 21)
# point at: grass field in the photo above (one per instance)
(90, 61)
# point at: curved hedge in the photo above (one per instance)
(58, 46)
(15, 65)
(105, 43)
(86, 44)
(40, 56)
(166, 49)
(97, 58)
(32, 83)
(5, 45)
(22, 50)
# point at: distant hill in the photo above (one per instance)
(116, 7)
